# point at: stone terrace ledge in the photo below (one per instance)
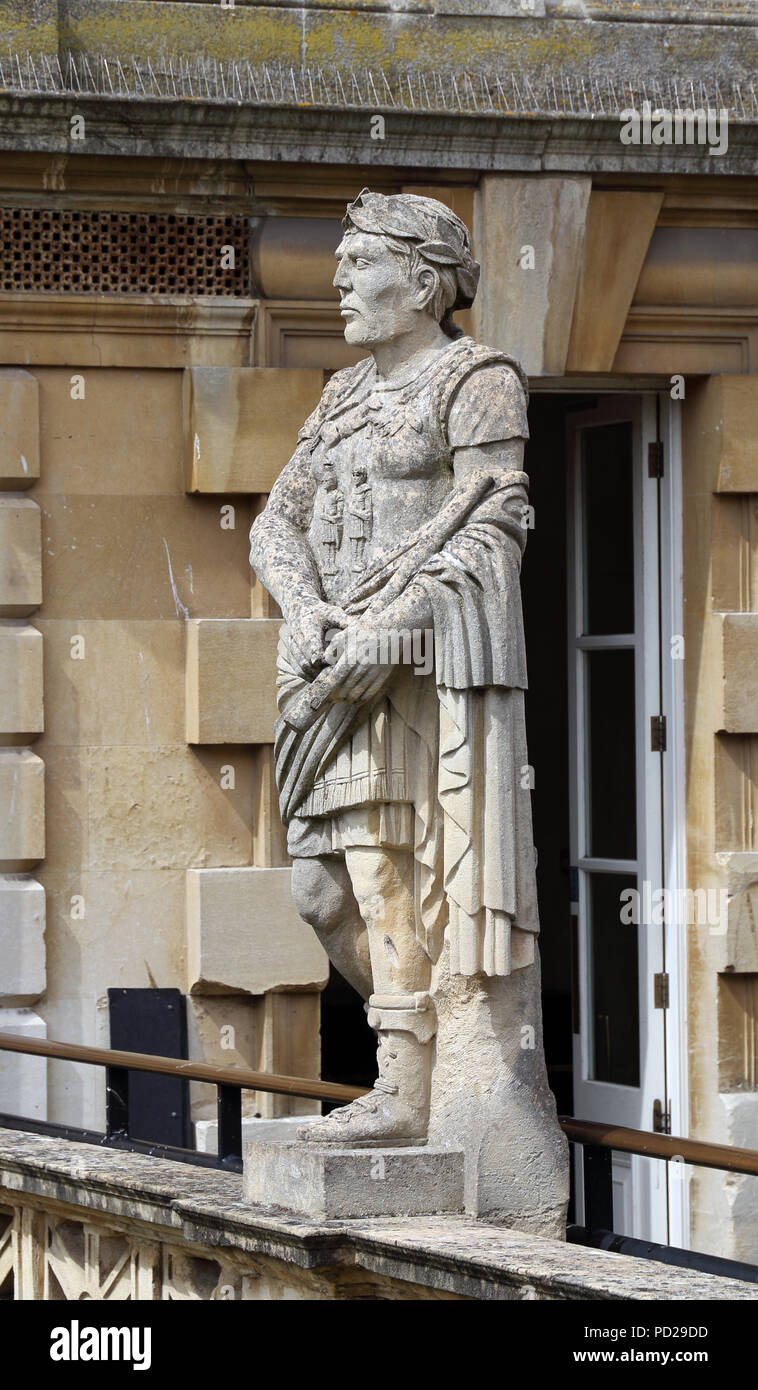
(79, 1221)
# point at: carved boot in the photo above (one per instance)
(396, 1111)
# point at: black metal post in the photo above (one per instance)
(116, 1101)
(598, 1187)
(229, 1109)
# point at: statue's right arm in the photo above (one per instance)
(281, 555)
(280, 551)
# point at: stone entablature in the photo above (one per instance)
(79, 1222)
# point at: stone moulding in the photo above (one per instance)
(183, 1232)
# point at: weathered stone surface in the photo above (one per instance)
(254, 1131)
(23, 1078)
(301, 1257)
(736, 936)
(237, 430)
(334, 1183)
(530, 236)
(740, 688)
(110, 683)
(20, 556)
(290, 1045)
(736, 432)
(21, 707)
(22, 939)
(370, 530)
(245, 936)
(617, 237)
(22, 795)
(231, 673)
(19, 428)
(175, 557)
(124, 437)
(490, 1097)
(169, 807)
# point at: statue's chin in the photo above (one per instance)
(355, 332)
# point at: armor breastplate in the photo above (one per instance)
(383, 468)
(381, 459)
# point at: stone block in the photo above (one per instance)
(114, 682)
(22, 819)
(145, 558)
(244, 935)
(22, 939)
(254, 1131)
(20, 556)
(241, 424)
(736, 429)
(23, 1079)
(169, 807)
(740, 672)
(734, 902)
(19, 429)
(21, 706)
(619, 227)
(66, 793)
(529, 235)
(123, 438)
(231, 680)
(337, 1184)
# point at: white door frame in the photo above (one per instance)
(663, 774)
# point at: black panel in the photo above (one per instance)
(154, 1021)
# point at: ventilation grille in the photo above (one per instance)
(82, 252)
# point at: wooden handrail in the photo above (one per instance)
(310, 1089)
(606, 1136)
(640, 1141)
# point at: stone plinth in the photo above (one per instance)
(334, 1183)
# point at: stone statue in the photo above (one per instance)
(406, 795)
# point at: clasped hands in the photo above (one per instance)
(323, 635)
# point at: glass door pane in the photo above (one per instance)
(615, 1015)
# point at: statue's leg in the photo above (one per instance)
(396, 1111)
(323, 895)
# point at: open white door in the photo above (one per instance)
(619, 625)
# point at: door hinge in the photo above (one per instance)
(661, 990)
(655, 458)
(661, 1118)
(658, 733)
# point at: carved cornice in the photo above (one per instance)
(274, 134)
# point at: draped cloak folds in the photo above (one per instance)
(472, 838)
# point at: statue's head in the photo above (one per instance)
(402, 256)
(360, 474)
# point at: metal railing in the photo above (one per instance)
(597, 1140)
(230, 1082)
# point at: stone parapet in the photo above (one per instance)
(184, 1232)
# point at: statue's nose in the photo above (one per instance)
(341, 279)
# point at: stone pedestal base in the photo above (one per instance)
(342, 1183)
(490, 1097)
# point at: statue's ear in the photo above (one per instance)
(427, 281)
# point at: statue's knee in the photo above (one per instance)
(322, 893)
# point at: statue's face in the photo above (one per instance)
(378, 299)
